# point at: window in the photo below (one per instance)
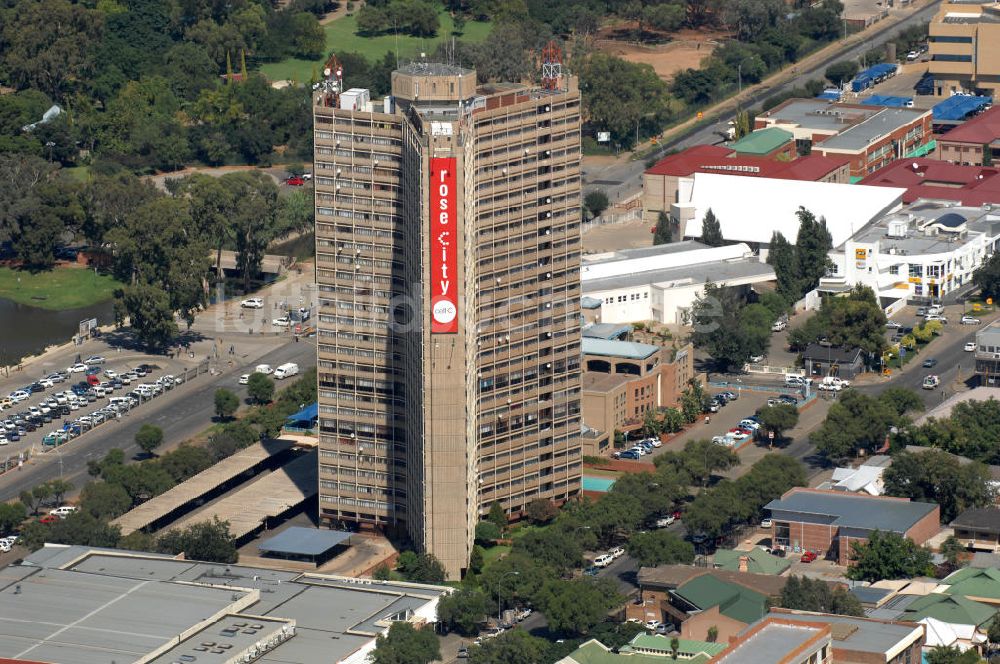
(948, 57)
(894, 269)
(916, 270)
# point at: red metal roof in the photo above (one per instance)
(982, 129)
(932, 178)
(719, 159)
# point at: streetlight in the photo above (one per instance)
(500, 594)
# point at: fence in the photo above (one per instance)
(14, 461)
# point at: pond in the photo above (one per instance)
(27, 330)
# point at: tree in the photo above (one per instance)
(952, 550)
(778, 419)
(148, 438)
(226, 403)
(987, 278)
(711, 230)
(11, 516)
(805, 594)
(34, 498)
(260, 387)
(477, 559)
(702, 458)
(728, 330)
(660, 547)
(993, 631)
(663, 233)
(207, 541)
(713, 634)
(596, 202)
(812, 247)
(841, 72)
(622, 97)
(105, 500)
(487, 532)
(935, 476)
(77, 528)
(781, 256)
(541, 510)
(59, 488)
(855, 422)
(952, 655)
(574, 607)
(514, 646)
(422, 568)
(498, 516)
(887, 555)
(405, 644)
(463, 611)
(552, 548)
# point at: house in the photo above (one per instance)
(755, 561)
(828, 522)
(975, 142)
(980, 585)
(866, 478)
(978, 528)
(644, 649)
(864, 640)
(951, 617)
(776, 640)
(829, 361)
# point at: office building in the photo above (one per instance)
(448, 264)
(988, 355)
(975, 142)
(964, 43)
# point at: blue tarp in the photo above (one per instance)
(308, 414)
(960, 107)
(888, 100)
(829, 95)
(873, 75)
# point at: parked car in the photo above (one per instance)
(592, 570)
(282, 321)
(603, 560)
(665, 521)
(617, 552)
(970, 347)
(95, 359)
(63, 511)
(79, 367)
(809, 556)
(264, 369)
(893, 325)
(252, 303)
(295, 181)
(970, 320)
(766, 523)
(49, 519)
(938, 317)
(629, 454)
(778, 326)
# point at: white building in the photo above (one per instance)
(926, 250)
(661, 283)
(751, 209)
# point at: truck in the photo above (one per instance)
(286, 370)
(931, 382)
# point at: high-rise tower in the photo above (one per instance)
(448, 263)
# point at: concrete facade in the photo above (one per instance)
(448, 252)
(964, 46)
(975, 142)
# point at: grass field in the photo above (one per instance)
(78, 173)
(341, 37)
(61, 288)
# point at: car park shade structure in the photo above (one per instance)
(313, 544)
(959, 107)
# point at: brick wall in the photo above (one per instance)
(927, 527)
(696, 627)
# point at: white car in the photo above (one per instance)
(603, 560)
(665, 521)
(244, 379)
(766, 523)
(655, 442)
(79, 367)
(752, 424)
(252, 303)
(970, 320)
(264, 369)
(64, 511)
(617, 552)
(284, 321)
(19, 396)
(95, 359)
(970, 347)
(937, 317)
(46, 383)
(111, 373)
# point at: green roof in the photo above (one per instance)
(762, 141)
(953, 609)
(613, 348)
(973, 582)
(734, 601)
(760, 561)
(594, 652)
(661, 644)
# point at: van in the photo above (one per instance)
(264, 369)
(934, 310)
(793, 380)
(286, 370)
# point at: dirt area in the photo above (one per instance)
(685, 49)
(629, 235)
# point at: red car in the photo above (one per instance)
(93, 380)
(295, 181)
(49, 518)
(809, 556)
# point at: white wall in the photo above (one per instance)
(598, 269)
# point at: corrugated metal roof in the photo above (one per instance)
(612, 348)
(762, 141)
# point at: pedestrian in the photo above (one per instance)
(232, 349)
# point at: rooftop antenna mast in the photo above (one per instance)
(552, 66)
(333, 82)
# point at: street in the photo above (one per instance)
(622, 178)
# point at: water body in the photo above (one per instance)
(27, 330)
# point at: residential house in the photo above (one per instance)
(755, 561)
(820, 361)
(978, 528)
(645, 649)
(954, 617)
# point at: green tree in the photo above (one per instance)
(622, 96)
(463, 611)
(781, 256)
(816, 595)
(148, 438)
(952, 655)
(422, 568)
(11, 516)
(660, 547)
(477, 559)
(405, 644)
(185, 462)
(887, 555)
(552, 548)
(226, 403)
(987, 277)
(575, 607)
(596, 202)
(812, 247)
(541, 510)
(952, 550)
(711, 230)
(778, 419)
(260, 387)
(855, 422)
(993, 631)
(841, 72)
(935, 476)
(663, 233)
(36, 496)
(498, 516)
(487, 533)
(514, 646)
(77, 528)
(208, 541)
(104, 500)
(728, 330)
(702, 458)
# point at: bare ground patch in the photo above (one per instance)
(686, 49)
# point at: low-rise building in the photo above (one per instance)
(865, 640)
(975, 142)
(824, 360)
(661, 283)
(934, 179)
(978, 528)
(951, 620)
(770, 142)
(988, 354)
(828, 522)
(776, 640)
(754, 561)
(980, 585)
(645, 649)
(924, 250)
(622, 380)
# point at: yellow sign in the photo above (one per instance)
(915, 280)
(860, 254)
(700, 115)
(976, 306)
(989, 300)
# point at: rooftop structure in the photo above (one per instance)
(733, 600)
(975, 142)
(777, 641)
(867, 131)
(755, 561)
(299, 542)
(612, 348)
(814, 119)
(81, 605)
(864, 639)
(952, 609)
(981, 585)
(940, 180)
(767, 141)
(958, 108)
(751, 209)
(644, 649)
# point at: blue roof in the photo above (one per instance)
(309, 413)
(888, 100)
(301, 541)
(607, 330)
(590, 302)
(959, 107)
(626, 349)
(831, 95)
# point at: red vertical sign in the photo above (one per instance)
(443, 246)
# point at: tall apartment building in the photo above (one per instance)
(964, 45)
(448, 264)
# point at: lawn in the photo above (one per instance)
(78, 173)
(341, 37)
(57, 289)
